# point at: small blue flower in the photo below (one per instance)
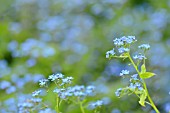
(139, 57)
(118, 92)
(140, 88)
(134, 77)
(110, 53)
(67, 80)
(54, 77)
(90, 90)
(36, 93)
(43, 82)
(132, 86)
(144, 46)
(36, 100)
(124, 72)
(118, 42)
(131, 39)
(58, 90)
(123, 50)
(97, 104)
(25, 105)
(47, 110)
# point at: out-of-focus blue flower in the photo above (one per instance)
(4, 84)
(31, 62)
(116, 111)
(106, 100)
(47, 110)
(11, 89)
(167, 107)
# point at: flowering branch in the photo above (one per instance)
(137, 83)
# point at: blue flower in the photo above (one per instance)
(90, 90)
(21, 106)
(110, 53)
(43, 82)
(119, 42)
(123, 50)
(118, 92)
(139, 57)
(124, 72)
(36, 100)
(47, 110)
(36, 93)
(97, 104)
(144, 46)
(131, 39)
(134, 77)
(54, 77)
(67, 80)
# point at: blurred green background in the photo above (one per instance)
(41, 37)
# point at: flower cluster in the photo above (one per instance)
(135, 86)
(30, 104)
(57, 76)
(65, 91)
(75, 91)
(119, 42)
(96, 104)
(122, 44)
(135, 83)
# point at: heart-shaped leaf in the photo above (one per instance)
(147, 75)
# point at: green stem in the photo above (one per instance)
(57, 105)
(81, 107)
(144, 84)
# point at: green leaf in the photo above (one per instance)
(147, 75)
(143, 98)
(143, 68)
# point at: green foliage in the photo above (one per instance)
(143, 69)
(143, 97)
(147, 75)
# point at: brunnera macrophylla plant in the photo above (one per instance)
(137, 83)
(64, 92)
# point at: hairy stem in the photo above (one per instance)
(144, 84)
